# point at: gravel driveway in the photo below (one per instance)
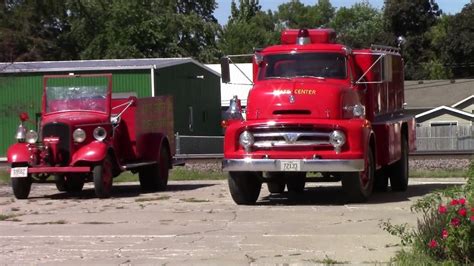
(196, 222)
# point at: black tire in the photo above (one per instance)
(21, 187)
(103, 179)
(295, 181)
(381, 180)
(358, 186)
(276, 182)
(155, 177)
(244, 187)
(71, 183)
(399, 172)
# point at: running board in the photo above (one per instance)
(136, 165)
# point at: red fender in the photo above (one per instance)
(18, 153)
(92, 152)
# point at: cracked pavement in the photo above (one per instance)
(196, 222)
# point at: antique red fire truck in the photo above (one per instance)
(88, 134)
(317, 106)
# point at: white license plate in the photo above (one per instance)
(290, 165)
(19, 172)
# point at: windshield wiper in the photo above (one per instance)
(278, 78)
(309, 76)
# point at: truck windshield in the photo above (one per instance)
(312, 65)
(76, 98)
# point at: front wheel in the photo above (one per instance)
(358, 186)
(276, 182)
(296, 182)
(102, 175)
(70, 183)
(244, 187)
(21, 185)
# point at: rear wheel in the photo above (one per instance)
(155, 177)
(399, 173)
(296, 181)
(102, 175)
(358, 186)
(276, 182)
(21, 185)
(70, 183)
(244, 187)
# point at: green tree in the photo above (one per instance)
(359, 26)
(295, 14)
(412, 19)
(457, 45)
(248, 28)
(31, 30)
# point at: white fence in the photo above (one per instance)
(445, 138)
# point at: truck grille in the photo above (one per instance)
(63, 132)
(290, 138)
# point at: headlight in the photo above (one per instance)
(31, 137)
(246, 140)
(100, 133)
(79, 135)
(358, 110)
(337, 138)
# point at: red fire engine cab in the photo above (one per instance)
(317, 106)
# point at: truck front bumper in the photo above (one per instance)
(305, 165)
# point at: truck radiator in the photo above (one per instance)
(291, 138)
(62, 132)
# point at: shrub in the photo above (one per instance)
(445, 232)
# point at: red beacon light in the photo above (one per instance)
(305, 36)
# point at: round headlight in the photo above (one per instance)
(358, 110)
(79, 135)
(31, 137)
(246, 140)
(337, 138)
(100, 133)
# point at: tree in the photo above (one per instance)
(297, 15)
(247, 28)
(31, 30)
(412, 19)
(359, 26)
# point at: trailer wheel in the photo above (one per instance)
(276, 182)
(244, 187)
(102, 175)
(21, 186)
(399, 173)
(72, 183)
(358, 186)
(296, 182)
(155, 177)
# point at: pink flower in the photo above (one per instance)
(442, 209)
(454, 202)
(462, 212)
(455, 222)
(462, 201)
(444, 234)
(433, 243)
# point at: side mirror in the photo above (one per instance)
(225, 72)
(133, 100)
(24, 116)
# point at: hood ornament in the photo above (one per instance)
(291, 137)
(292, 98)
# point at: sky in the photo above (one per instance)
(223, 10)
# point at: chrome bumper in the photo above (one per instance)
(306, 165)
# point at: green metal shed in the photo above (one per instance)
(195, 89)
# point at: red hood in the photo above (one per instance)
(76, 118)
(301, 98)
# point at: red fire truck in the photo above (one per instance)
(317, 106)
(88, 134)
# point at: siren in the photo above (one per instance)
(308, 36)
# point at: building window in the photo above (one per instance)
(444, 123)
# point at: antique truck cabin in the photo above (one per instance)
(86, 134)
(319, 107)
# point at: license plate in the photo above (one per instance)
(289, 165)
(19, 172)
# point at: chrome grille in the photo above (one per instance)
(283, 139)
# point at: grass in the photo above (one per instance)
(152, 199)
(7, 217)
(439, 173)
